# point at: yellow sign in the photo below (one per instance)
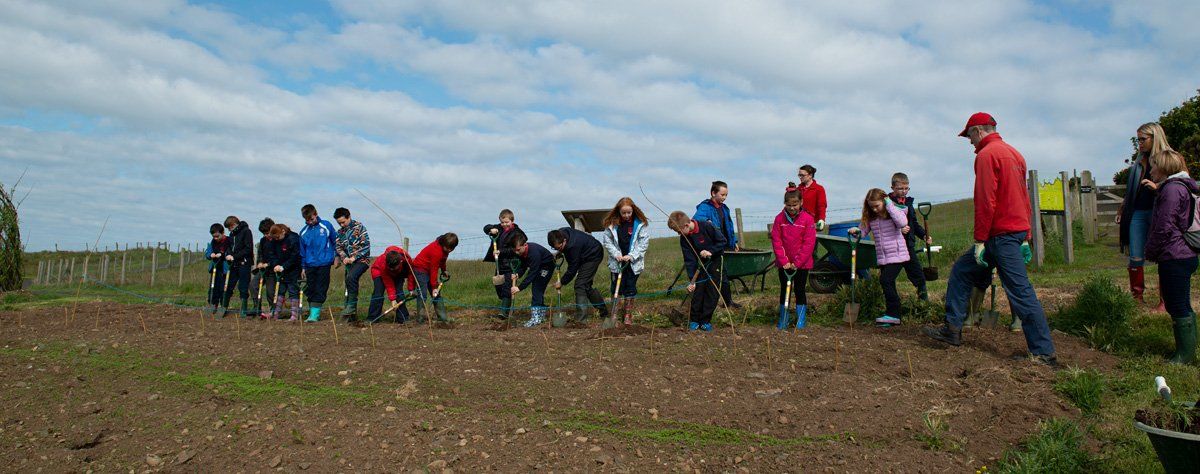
(1051, 195)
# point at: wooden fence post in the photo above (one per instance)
(124, 256)
(104, 267)
(406, 244)
(1087, 190)
(1038, 240)
(1068, 219)
(153, 265)
(181, 266)
(71, 274)
(737, 213)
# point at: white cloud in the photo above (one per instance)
(450, 110)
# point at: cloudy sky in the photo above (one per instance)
(168, 116)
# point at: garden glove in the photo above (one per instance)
(979, 252)
(1026, 252)
(821, 225)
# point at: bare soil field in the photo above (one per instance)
(136, 388)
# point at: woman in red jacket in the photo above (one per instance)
(812, 194)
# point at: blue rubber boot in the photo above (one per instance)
(801, 316)
(314, 314)
(783, 317)
(692, 326)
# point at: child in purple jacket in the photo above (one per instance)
(886, 222)
(1167, 246)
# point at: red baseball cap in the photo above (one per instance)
(978, 118)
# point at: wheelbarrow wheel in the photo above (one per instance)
(826, 277)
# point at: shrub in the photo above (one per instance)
(1101, 314)
(867, 293)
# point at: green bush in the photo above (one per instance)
(1084, 388)
(867, 293)
(1101, 314)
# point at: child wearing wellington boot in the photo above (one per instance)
(284, 262)
(430, 267)
(793, 237)
(626, 240)
(537, 268)
(1167, 244)
(885, 221)
(388, 272)
(217, 249)
(501, 253)
(702, 246)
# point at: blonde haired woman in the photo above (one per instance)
(1167, 246)
(1135, 211)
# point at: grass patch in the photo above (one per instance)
(1056, 447)
(934, 437)
(254, 389)
(1084, 388)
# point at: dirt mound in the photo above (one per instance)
(94, 392)
(622, 331)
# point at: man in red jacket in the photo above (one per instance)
(1002, 214)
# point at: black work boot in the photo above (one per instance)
(946, 334)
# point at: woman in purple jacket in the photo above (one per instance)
(1166, 246)
(885, 221)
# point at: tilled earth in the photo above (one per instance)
(98, 391)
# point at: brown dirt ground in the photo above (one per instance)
(99, 394)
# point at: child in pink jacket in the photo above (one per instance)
(886, 221)
(793, 237)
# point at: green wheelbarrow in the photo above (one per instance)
(831, 262)
(741, 264)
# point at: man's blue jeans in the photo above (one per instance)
(1002, 252)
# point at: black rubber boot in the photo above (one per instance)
(245, 307)
(945, 334)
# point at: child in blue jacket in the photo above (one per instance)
(714, 211)
(318, 247)
(537, 268)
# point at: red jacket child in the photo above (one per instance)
(379, 269)
(431, 260)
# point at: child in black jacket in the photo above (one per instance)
(217, 249)
(912, 268)
(537, 266)
(702, 245)
(285, 265)
(583, 254)
(503, 253)
(262, 280)
(240, 259)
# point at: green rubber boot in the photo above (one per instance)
(1185, 339)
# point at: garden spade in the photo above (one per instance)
(497, 279)
(991, 316)
(931, 272)
(679, 314)
(611, 321)
(850, 314)
(559, 318)
(787, 299)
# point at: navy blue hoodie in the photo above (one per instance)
(536, 259)
(581, 247)
(704, 237)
